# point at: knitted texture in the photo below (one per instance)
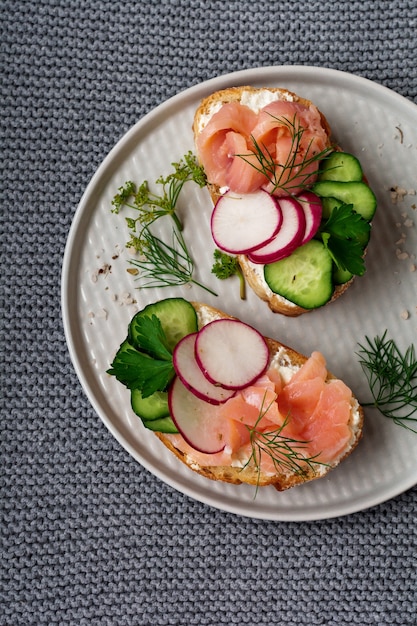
(88, 536)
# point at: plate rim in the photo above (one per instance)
(191, 93)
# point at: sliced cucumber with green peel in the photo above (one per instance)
(153, 411)
(177, 316)
(144, 362)
(163, 425)
(356, 193)
(304, 277)
(328, 204)
(151, 408)
(341, 166)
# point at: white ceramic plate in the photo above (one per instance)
(376, 124)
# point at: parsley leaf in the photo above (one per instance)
(345, 253)
(137, 370)
(226, 266)
(344, 234)
(345, 222)
(147, 335)
(144, 360)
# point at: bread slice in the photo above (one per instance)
(283, 478)
(256, 99)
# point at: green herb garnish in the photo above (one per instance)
(291, 174)
(152, 206)
(149, 336)
(148, 366)
(226, 266)
(161, 263)
(343, 234)
(164, 264)
(392, 378)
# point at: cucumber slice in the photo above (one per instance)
(357, 193)
(163, 425)
(177, 316)
(341, 276)
(341, 166)
(304, 277)
(151, 408)
(153, 411)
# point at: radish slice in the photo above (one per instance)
(192, 377)
(197, 421)
(230, 353)
(313, 210)
(244, 222)
(289, 236)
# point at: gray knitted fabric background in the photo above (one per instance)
(88, 536)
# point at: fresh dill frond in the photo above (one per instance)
(392, 379)
(226, 266)
(151, 205)
(187, 169)
(123, 195)
(290, 175)
(164, 264)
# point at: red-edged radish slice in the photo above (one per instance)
(289, 236)
(313, 211)
(230, 353)
(197, 421)
(192, 377)
(244, 222)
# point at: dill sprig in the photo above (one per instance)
(286, 452)
(152, 206)
(164, 264)
(289, 175)
(161, 264)
(392, 378)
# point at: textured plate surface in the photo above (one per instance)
(376, 124)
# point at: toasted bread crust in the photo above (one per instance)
(282, 479)
(276, 303)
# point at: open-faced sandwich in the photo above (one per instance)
(231, 404)
(288, 202)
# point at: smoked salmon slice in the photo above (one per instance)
(226, 135)
(312, 412)
(327, 428)
(236, 147)
(241, 173)
(314, 367)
